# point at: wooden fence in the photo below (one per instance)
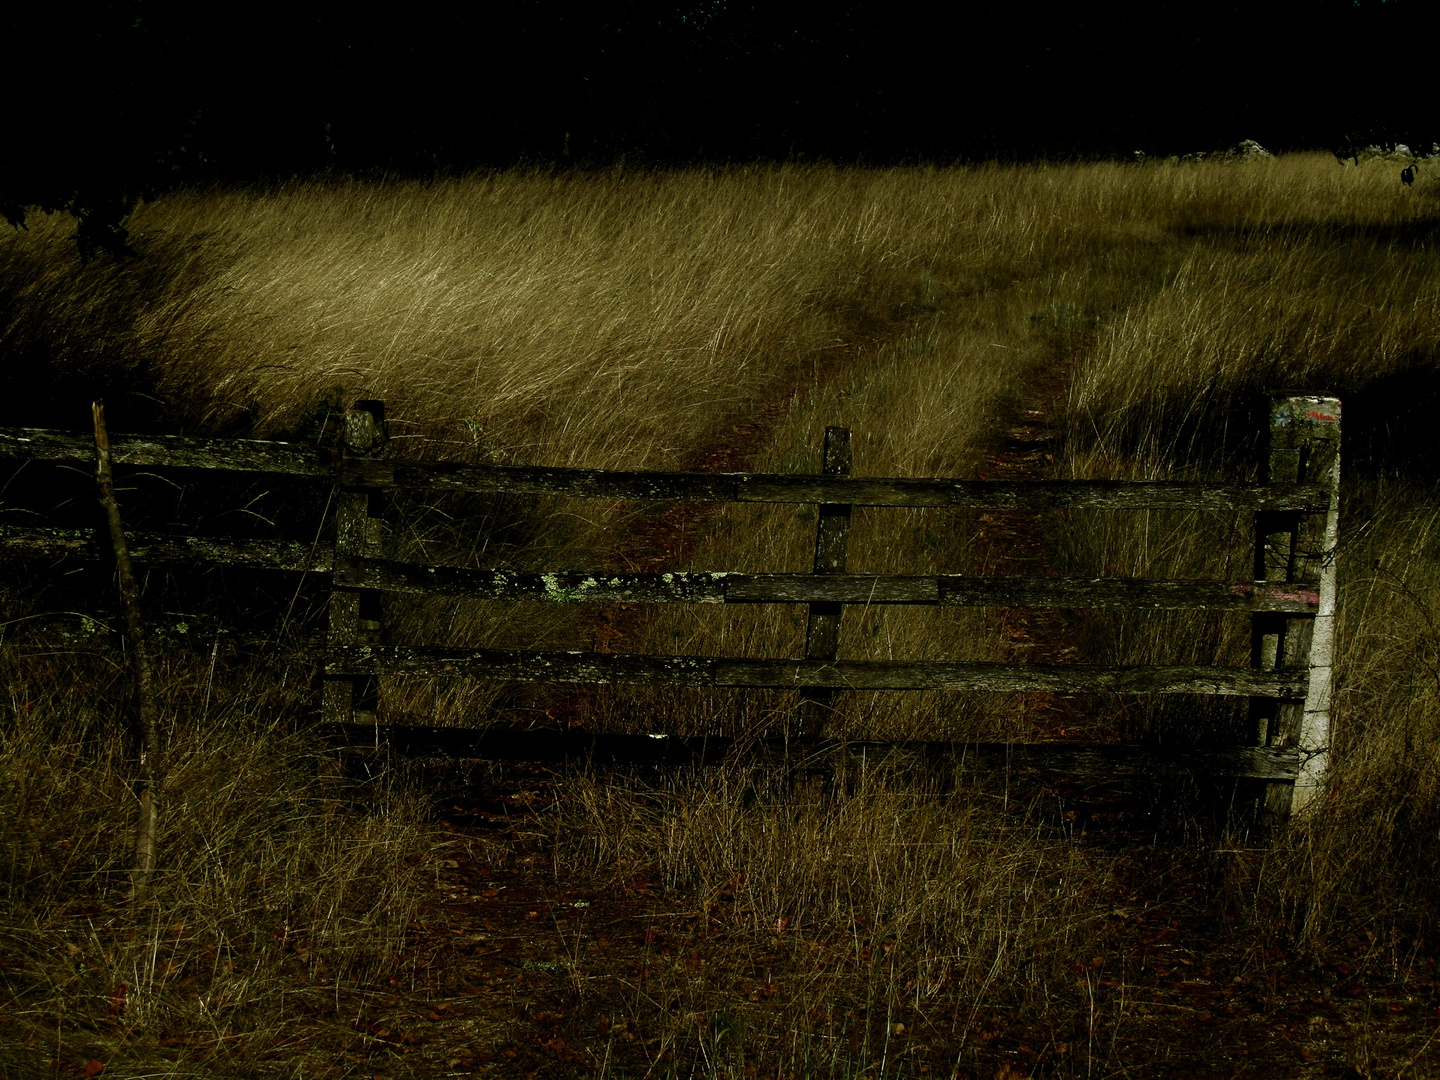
(1290, 600)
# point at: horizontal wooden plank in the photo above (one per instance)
(698, 587)
(521, 666)
(299, 459)
(716, 587)
(560, 587)
(538, 480)
(801, 674)
(1034, 494)
(52, 630)
(1091, 760)
(163, 548)
(1128, 593)
(174, 451)
(1019, 592)
(1007, 678)
(854, 491)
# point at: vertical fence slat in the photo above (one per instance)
(1297, 548)
(355, 614)
(1317, 547)
(832, 539)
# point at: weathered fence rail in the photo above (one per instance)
(297, 459)
(1290, 599)
(1084, 760)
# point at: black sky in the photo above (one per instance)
(144, 94)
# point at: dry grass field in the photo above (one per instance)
(309, 919)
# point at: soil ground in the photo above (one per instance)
(512, 972)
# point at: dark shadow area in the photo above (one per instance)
(1416, 233)
(67, 335)
(1220, 435)
(180, 503)
(1389, 424)
(39, 390)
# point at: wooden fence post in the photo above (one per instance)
(832, 537)
(1295, 548)
(355, 614)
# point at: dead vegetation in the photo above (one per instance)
(305, 919)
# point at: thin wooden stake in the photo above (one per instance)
(146, 707)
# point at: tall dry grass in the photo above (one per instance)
(282, 888)
(905, 907)
(602, 319)
(606, 319)
(627, 320)
(1335, 292)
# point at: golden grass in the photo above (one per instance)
(903, 902)
(272, 884)
(628, 320)
(605, 319)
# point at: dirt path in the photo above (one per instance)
(1017, 543)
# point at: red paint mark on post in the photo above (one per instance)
(1262, 591)
(1299, 596)
(1324, 418)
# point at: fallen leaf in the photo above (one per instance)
(117, 1000)
(93, 1067)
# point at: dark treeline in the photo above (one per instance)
(139, 95)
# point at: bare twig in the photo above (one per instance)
(146, 707)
